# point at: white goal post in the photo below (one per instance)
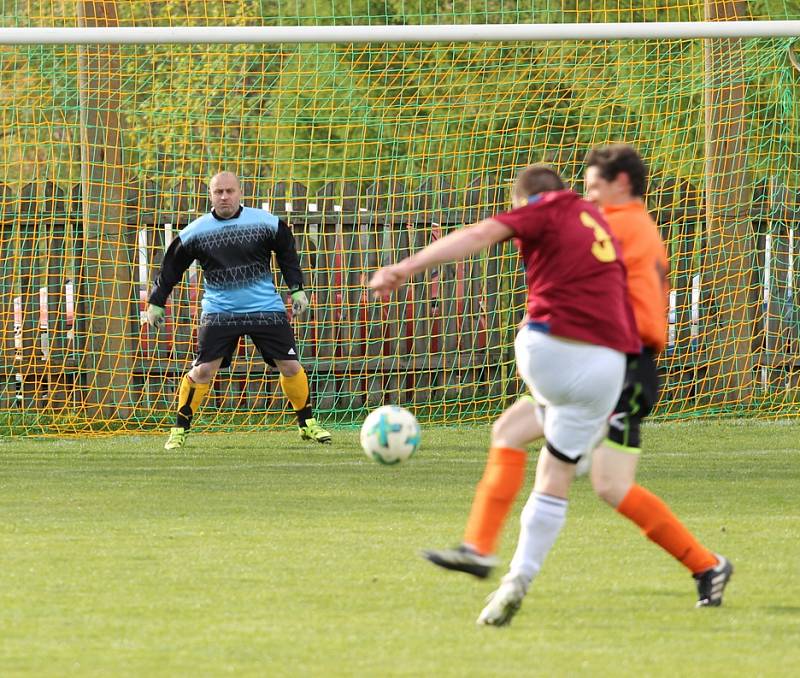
(410, 33)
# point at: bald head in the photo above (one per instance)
(226, 194)
(224, 176)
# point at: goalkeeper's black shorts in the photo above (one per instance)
(219, 334)
(639, 396)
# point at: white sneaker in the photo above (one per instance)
(503, 604)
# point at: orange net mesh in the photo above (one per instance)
(370, 152)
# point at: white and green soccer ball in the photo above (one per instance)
(390, 435)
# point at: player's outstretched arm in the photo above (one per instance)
(453, 247)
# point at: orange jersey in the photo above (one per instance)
(645, 257)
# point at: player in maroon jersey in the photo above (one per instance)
(571, 354)
(616, 180)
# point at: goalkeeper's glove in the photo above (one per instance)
(156, 316)
(299, 302)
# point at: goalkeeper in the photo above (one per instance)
(234, 245)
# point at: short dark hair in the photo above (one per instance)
(534, 179)
(614, 159)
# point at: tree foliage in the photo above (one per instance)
(315, 113)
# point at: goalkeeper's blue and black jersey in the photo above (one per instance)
(235, 256)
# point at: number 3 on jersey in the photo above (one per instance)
(602, 247)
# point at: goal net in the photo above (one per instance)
(370, 151)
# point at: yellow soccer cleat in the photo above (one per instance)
(177, 438)
(313, 431)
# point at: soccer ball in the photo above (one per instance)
(390, 435)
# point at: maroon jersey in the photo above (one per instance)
(577, 285)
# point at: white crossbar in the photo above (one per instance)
(411, 34)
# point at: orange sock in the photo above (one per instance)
(661, 526)
(501, 482)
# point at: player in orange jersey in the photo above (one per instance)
(615, 180)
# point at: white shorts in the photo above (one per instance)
(577, 384)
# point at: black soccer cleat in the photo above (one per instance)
(462, 559)
(711, 583)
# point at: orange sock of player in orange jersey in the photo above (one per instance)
(501, 482)
(661, 526)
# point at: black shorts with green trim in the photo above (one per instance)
(639, 396)
(219, 334)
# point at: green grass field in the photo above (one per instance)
(260, 555)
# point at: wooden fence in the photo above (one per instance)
(449, 339)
